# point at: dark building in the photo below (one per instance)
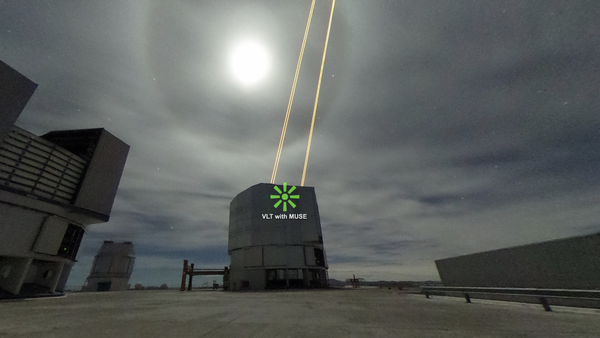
(570, 263)
(275, 239)
(112, 267)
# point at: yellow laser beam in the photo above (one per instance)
(291, 100)
(312, 124)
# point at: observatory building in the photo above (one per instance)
(275, 239)
(568, 264)
(112, 268)
(51, 187)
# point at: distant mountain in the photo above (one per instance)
(404, 284)
(336, 283)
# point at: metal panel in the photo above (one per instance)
(253, 256)
(253, 210)
(102, 265)
(15, 91)
(309, 256)
(19, 229)
(51, 235)
(120, 265)
(294, 256)
(275, 255)
(572, 263)
(44, 273)
(12, 273)
(101, 181)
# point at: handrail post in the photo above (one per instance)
(545, 304)
(191, 276)
(183, 275)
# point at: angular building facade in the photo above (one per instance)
(275, 239)
(51, 188)
(569, 263)
(112, 268)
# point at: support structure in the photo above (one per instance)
(355, 282)
(188, 270)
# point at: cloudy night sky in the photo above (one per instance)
(443, 128)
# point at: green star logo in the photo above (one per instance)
(285, 197)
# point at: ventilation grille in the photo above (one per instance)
(33, 165)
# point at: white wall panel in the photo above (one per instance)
(51, 235)
(19, 228)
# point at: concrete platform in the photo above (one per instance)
(324, 313)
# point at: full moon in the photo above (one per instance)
(249, 62)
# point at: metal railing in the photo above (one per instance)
(545, 297)
(189, 270)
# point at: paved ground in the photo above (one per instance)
(327, 313)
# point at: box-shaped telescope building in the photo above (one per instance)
(112, 268)
(275, 239)
(51, 188)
